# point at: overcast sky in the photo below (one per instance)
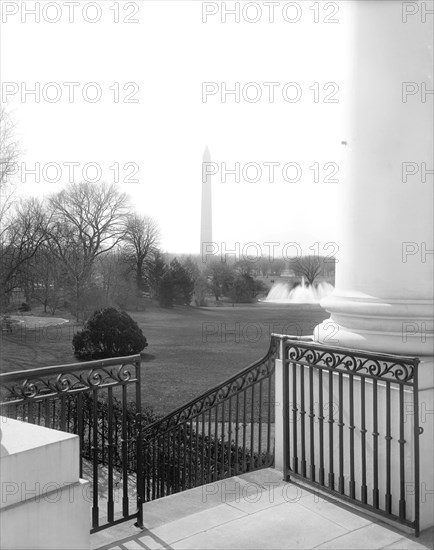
(167, 55)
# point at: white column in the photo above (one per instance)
(383, 299)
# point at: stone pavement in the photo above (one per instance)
(256, 510)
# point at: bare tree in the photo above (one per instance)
(87, 220)
(9, 153)
(308, 267)
(141, 239)
(46, 278)
(221, 277)
(20, 241)
(117, 281)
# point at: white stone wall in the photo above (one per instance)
(43, 501)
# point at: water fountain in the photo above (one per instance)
(280, 293)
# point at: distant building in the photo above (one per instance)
(287, 273)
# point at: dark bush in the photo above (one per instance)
(108, 333)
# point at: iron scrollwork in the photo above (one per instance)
(23, 387)
(377, 366)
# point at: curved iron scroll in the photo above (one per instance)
(99, 402)
(23, 386)
(381, 366)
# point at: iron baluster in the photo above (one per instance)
(402, 510)
(351, 427)
(363, 431)
(259, 462)
(252, 430)
(125, 497)
(311, 426)
(302, 423)
(321, 428)
(237, 430)
(110, 501)
(294, 417)
(388, 438)
(94, 450)
(331, 422)
(230, 437)
(375, 434)
(341, 436)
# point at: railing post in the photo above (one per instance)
(139, 446)
(281, 399)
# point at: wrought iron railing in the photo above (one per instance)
(227, 431)
(100, 402)
(351, 426)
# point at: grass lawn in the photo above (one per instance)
(190, 349)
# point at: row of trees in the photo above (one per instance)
(82, 248)
(85, 248)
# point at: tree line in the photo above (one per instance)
(83, 248)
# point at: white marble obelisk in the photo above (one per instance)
(206, 207)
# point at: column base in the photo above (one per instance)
(403, 327)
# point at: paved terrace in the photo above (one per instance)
(255, 510)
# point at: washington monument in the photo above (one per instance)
(206, 209)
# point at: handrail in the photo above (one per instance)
(48, 382)
(348, 351)
(71, 367)
(345, 427)
(98, 401)
(227, 430)
(273, 348)
(376, 365)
